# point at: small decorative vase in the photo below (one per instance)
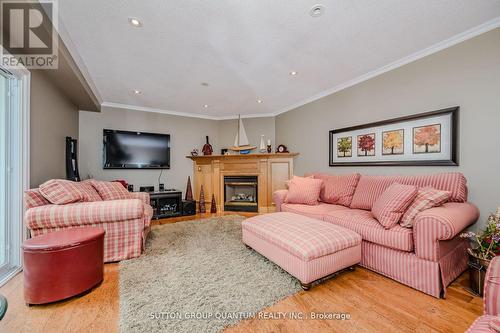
(207, 148)
(262, 147)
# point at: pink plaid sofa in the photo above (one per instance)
(489, 322)
(126, 222)
(427, 257)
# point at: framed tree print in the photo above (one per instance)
(344, 147)
(366, 144)
(429, 138)
(393, 142)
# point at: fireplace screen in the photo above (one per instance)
(240, 193)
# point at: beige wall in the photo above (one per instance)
(186, 134)
(467, 75)
(52, 118)
(254, 127)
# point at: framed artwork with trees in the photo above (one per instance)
(344, 147)
(366, 144)
(429, 138)
(393, 142)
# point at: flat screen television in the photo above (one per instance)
(136, 150)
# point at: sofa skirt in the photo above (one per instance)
(427, 276)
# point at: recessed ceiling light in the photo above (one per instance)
(317, 10)
(259, 101)
(293, 73)
(137, 92)
(205, 106)
(135, 22)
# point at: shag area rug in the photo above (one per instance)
(198, 276)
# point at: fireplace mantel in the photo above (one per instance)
(273, 170)
(242, 156)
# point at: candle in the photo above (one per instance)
(268, 142)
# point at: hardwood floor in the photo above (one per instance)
(96, 311)
(373, 302)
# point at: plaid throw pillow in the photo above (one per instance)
(111, 190)
(495, 324)
(338, 189)
(33, 198)
(89, 192)
(303, 190)
(391, 205)
(426, 198)
(61, 192)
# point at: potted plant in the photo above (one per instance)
(484, 245)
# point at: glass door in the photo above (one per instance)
(12, 178)
(4, 94)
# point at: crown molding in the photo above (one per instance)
(248, 116)
(468, 34)
(182, 114)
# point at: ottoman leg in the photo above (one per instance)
(305, 286)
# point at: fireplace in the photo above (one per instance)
(240, 193)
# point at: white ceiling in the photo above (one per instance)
(245, 49)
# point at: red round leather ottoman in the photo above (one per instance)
(62, 264)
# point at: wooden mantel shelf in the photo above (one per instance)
(272, 171)
(260, 155)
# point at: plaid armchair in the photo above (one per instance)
(126, 222)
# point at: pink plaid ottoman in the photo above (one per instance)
(307, 248)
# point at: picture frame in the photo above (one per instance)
(393, 142)
(344, 147)
(424, 139)
(366, 145)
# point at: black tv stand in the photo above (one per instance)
(166, 203)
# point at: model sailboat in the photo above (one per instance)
(241, 142)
